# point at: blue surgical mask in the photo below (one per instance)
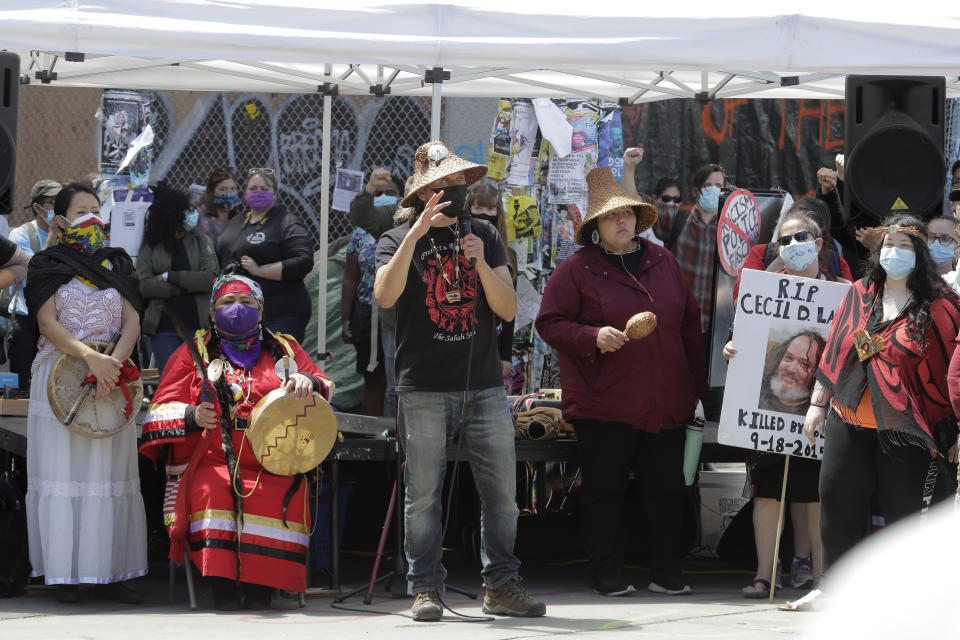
(942, 254)
(799, 255)
(384, 201)
(898, 263)
(190, 219)
(709, 198)
(50, 215)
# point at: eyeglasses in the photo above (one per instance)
(799, 236)
(945, 239)
(669, 199)
(267, 171)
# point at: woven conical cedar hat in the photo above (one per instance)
(433, 161)
(606, 195)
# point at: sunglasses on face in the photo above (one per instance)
(799, 236)
(673, 199)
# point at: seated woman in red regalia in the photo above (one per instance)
(200, 508)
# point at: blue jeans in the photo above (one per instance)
(388, 339)
(430, 418)
(164, 343)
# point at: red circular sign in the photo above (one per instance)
(738, 230)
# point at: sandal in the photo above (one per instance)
(757, 595)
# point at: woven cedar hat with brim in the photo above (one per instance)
(606, 195)
(433, 161)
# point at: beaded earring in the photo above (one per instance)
(595, 236)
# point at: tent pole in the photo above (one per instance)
(328, 90)
(435, 113)
(435, 76)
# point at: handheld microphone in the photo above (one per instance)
(463, 219)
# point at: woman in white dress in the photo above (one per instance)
(85, 514)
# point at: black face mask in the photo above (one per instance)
(491, 219)
(456, 195)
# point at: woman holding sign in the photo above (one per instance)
(881, 391)
(787, 384)
(629, 399)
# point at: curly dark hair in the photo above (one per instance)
(165, 217)
(924, 284)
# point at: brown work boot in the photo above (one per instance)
(426, 607)
(509, 599)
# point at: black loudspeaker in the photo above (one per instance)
(894, 141)
(9, 91)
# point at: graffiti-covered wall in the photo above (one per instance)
(252, 130)
(200, 131)
(760, 143)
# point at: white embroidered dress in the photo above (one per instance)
(85, 514)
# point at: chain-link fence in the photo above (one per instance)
(197, 132)
(244, 131)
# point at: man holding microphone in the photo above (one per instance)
(448, 278)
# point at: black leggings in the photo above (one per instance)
(608, 451)
(904, 479)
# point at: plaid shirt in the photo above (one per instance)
(696, 251)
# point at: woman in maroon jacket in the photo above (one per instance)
(627, 399)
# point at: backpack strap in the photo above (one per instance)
(33, 236)
(770, 254)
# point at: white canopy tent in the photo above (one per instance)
(492, 48)
(635, 52)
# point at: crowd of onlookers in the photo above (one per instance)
(888, 419)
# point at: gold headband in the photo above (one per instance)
(872, 237)
(910, 231)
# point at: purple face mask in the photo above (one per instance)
(236, 320)
(259, 200)
(237, 324)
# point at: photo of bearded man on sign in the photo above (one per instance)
(788, 375)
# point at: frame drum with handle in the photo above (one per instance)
(98, 417)
(291, 435)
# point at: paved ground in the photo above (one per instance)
(715, 611)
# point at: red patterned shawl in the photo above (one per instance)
(908, 384)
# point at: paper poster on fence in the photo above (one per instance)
(501, 139)
(347, 184)
(523, 218)
(524, 135)
(121, 120)
(568, 179)
(610, 138)
(781, 326)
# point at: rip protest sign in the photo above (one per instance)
(781, 327)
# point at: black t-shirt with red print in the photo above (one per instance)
(434, 327)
